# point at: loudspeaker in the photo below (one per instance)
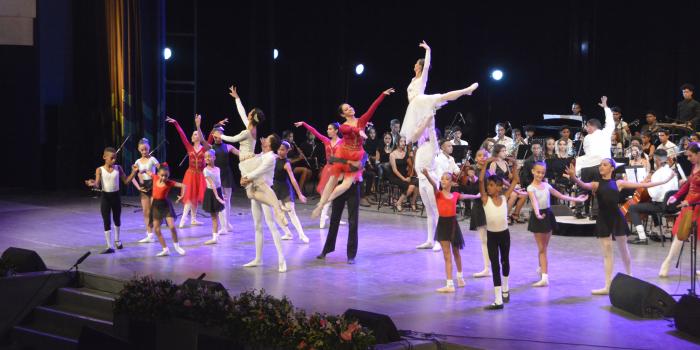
(561, 210)
(211, 285)
(687, 315)
(383, 327)
(640, 298)
(23, 260)
(93, 339)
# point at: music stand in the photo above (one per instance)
(522, 152)
(459, 152)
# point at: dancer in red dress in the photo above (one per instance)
(691, 191)
(350, 151)
(331, 143)
(194, 178)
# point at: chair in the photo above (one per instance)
(668, 212)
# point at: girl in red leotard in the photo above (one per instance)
(194, 178)
(331, 143)
(345, 158)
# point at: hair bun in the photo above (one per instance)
(165, 164)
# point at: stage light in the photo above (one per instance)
(497, 74)
(584, 47)
(275, 54)
(359, 69)
(167, 53)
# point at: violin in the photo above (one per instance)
(640, 195)
(463, 177)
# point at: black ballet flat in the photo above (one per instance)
(494, 306)
(351, 261)
(321, 256)
(506, 297)
(118, 245)
(107, 251)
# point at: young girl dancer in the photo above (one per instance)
(419, 126)
(248, 160)
(223, 153)
(331, 143)
(283, 182)
(145, 184)
(691, 191)
(610, 221)
(497, 234)
(162, 208)
(448, 232)
(213, 201)
(349, 152)
(194, 180)
(107, 177)
(542, 221)
(477, 222)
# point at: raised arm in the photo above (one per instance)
(288, 168)
(430, 179)
(321, 137)
(198, 122)
(233, 91)
(572, 175)
(370, 112)
(514, 182)
(126, 179)
(609, 121)
(426, 65)
(464, 196)
(482, 186)
(183, 137)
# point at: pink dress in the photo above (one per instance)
(194, 178)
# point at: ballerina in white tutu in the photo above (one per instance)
(419, 126)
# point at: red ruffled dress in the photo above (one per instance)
(351, 148)
(330, 150)
(691, 191)
(194, 178)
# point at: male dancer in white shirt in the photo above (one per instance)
(263, 175)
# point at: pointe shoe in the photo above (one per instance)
(148, 239)
(304, 238)
(541, 283)
(181, 225)
(178, 249)
(164, 252)
(446, 289)
(286, 237)
(212, 241)
(482, 273)
(471, 88)
(253, 263)
(282, 267)
(425, 245)
(437, 247)
(107, 251)
(602, 291)
(460, 282)
(663, 272)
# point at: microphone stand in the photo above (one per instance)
(693, 238)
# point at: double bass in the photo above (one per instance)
(640, 195)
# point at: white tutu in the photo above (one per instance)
(420, 108)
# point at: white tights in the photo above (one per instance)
(258, 209)
(224, 214)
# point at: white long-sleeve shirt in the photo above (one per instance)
(265, 171)
(445, 164)
(657, 193)
(597, 144)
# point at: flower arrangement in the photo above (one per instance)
(253, 318)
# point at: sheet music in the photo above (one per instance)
(636, 174)
(562, 116)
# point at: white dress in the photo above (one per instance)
(248, 160)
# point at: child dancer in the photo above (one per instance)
(477, 222)
(193, 176)
(610, 221)
(448, 232)
(107, 177)
(283, 182)
(542, 221)
(213, 201)
(497, 234)
(162, 208)
(331, 143)
(350, 150)
(223, 153)
(144, 184)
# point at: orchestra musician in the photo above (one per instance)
(300, 164)
(501, 138)
(402, 174)
(565, 135)
(622, 129)
(444, 162)
(457, 137)
(689, 108)
(651, 125)
(666, 144)
(529, 134)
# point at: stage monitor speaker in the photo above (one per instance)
(381, 325)
(561, 210)
(687, 315)
(640, 298)
(23, 260)
(216, 286)
(91, 338)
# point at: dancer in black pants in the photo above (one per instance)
(352, 198)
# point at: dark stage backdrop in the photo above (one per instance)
(552, 53)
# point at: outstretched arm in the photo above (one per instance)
(183, 137)
(516, 179)
(126, 179)
(626, 184)
(609, 121)
(463, 196)
(572, 175)
(370, 112)
(555, 193)
(321, 137)
(233, 91)
(198, 123)
(426, 64)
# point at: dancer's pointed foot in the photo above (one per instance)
(437, 247)
(446, 289)
(541, 283)
(178, 249)
(286, 237)
(304, 238)
(253, 263)
(212, 241)
(148, 239)
(460, 282)
(164, 252)
(317, 211)
(471, 88)
(601, 291)
(482, 273)
(663, 272)
(107, 251)
(425, 245)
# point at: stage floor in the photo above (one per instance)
(390, 277)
